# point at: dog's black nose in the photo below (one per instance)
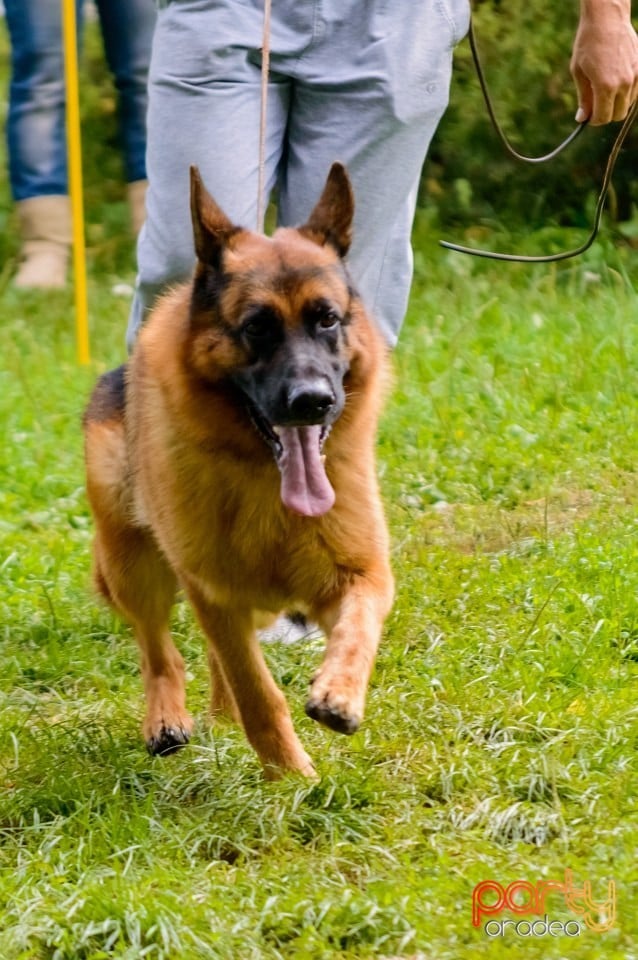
(310, 402)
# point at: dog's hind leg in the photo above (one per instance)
(222, 701)
(141, 586)
(128, 569)
(261, 705)
(353, 628)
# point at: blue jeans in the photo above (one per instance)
(36, 124)
(360, 81)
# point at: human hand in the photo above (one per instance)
(604, 61)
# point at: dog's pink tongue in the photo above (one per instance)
(305, 488)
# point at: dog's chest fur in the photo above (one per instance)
(246, 546)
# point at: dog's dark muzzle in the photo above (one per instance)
(293, 400)
(308, 402)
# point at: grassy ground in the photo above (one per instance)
(502, 727)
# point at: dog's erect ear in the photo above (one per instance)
(211, 227)
(331, 220)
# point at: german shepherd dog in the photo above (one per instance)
(233, 457)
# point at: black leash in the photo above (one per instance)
(604, 189)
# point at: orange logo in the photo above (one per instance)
(490, 898)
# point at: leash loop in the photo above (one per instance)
(604, 189)
(480, 73)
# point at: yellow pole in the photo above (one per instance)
(74, 153)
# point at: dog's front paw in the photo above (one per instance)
(164, 735)
(168, 740)
(334, 707)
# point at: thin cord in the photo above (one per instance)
(499, 130)
(265, 71)
(602, 196)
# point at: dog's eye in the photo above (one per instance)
(328, 319)
(255, 330)
(259, 327)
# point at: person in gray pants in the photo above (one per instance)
(364, 82)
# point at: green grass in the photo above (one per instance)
(502, 728)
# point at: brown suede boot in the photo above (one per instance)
(45, 225)
(136, 202)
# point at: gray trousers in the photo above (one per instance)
(364, 82)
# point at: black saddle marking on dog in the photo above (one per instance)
(108, 399)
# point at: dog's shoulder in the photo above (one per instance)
(108, 400)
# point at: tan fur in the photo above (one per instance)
(185, 491)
